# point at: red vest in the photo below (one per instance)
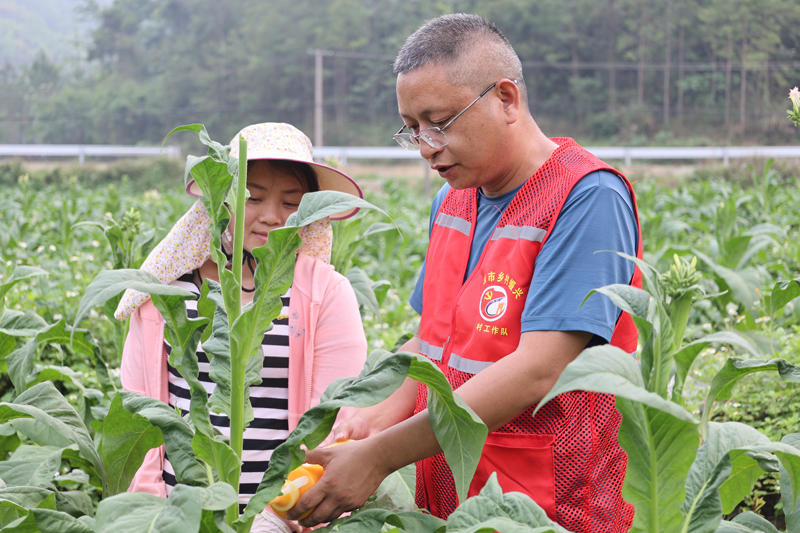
(567, 458)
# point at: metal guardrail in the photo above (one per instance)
(82, 151)
(344, 153)
(628, 154)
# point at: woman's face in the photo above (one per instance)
(274, 195)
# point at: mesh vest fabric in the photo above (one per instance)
(575, 435)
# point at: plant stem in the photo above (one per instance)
(238, 360)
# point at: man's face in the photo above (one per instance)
(426, 98)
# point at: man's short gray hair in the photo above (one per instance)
(479, 50)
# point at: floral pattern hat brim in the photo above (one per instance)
(187, 247)
(275, 140)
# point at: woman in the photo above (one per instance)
(317, 338)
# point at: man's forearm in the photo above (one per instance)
(397, 407)
(498, 394)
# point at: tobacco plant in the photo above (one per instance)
(96, 450)
(684, 473)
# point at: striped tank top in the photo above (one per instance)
(270, 399)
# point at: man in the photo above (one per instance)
(511, 257)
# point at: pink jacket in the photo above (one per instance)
(326, 342)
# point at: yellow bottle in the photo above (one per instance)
(297, 483)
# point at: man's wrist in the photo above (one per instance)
(405, 443)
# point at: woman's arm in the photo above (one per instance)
(340, 346)
(134, 372)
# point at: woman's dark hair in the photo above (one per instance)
(304, 173)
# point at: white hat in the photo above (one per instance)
(274, 140)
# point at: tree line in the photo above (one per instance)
(616, 71)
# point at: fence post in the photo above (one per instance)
(81, 154)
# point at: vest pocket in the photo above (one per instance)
(524, 463)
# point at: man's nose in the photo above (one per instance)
(427, 151)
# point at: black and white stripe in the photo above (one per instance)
(270, 427)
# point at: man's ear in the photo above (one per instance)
(510, 96)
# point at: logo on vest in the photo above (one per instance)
(494, 303)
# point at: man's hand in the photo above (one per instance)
(497, 395)
(353, 472)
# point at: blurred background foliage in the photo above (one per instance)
(628, 72)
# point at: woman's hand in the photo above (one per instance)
(357, 427)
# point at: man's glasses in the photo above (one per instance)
(435, 137)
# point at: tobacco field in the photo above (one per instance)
(711, 414)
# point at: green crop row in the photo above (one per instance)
(720, 258)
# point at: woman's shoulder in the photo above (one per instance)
(314, 277)
(148, 312)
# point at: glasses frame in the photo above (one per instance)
(410, 141)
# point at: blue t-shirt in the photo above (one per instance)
(598, 215)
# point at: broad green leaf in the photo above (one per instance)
(512, 511)
(273, 277)
(44, 403)
(39, 432)
(74, 502)
(732, 527)
(215, 179)
(126, 440)
(742, 288)
(633, 301)
(383, 373)
(644, 309)
(789, 456)
(400, 486)
(9, 442)
(74, 476)
(735, 369)
(791, 500)
(755, 522)
(214, 148)
(50, 521)
(31, 466)
(177, 436)
(458, 429)
(651, 278)
(40, 374)
(214, 522)
(15, 502)
(76, 460)
(661, 449)
(184, 336)
(318, 205)
(362, 286)
(659, 436)
(714, 485)
(746, 468)
(181, 512)
(217, 346)
(21, 361)
(214, 451)
(369, 518)
(609, 370)
(783, 293)
(109, 283)
(686, 356)
(18, 324)
(20, 273)
(140, 512)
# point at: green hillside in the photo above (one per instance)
(29, 25)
